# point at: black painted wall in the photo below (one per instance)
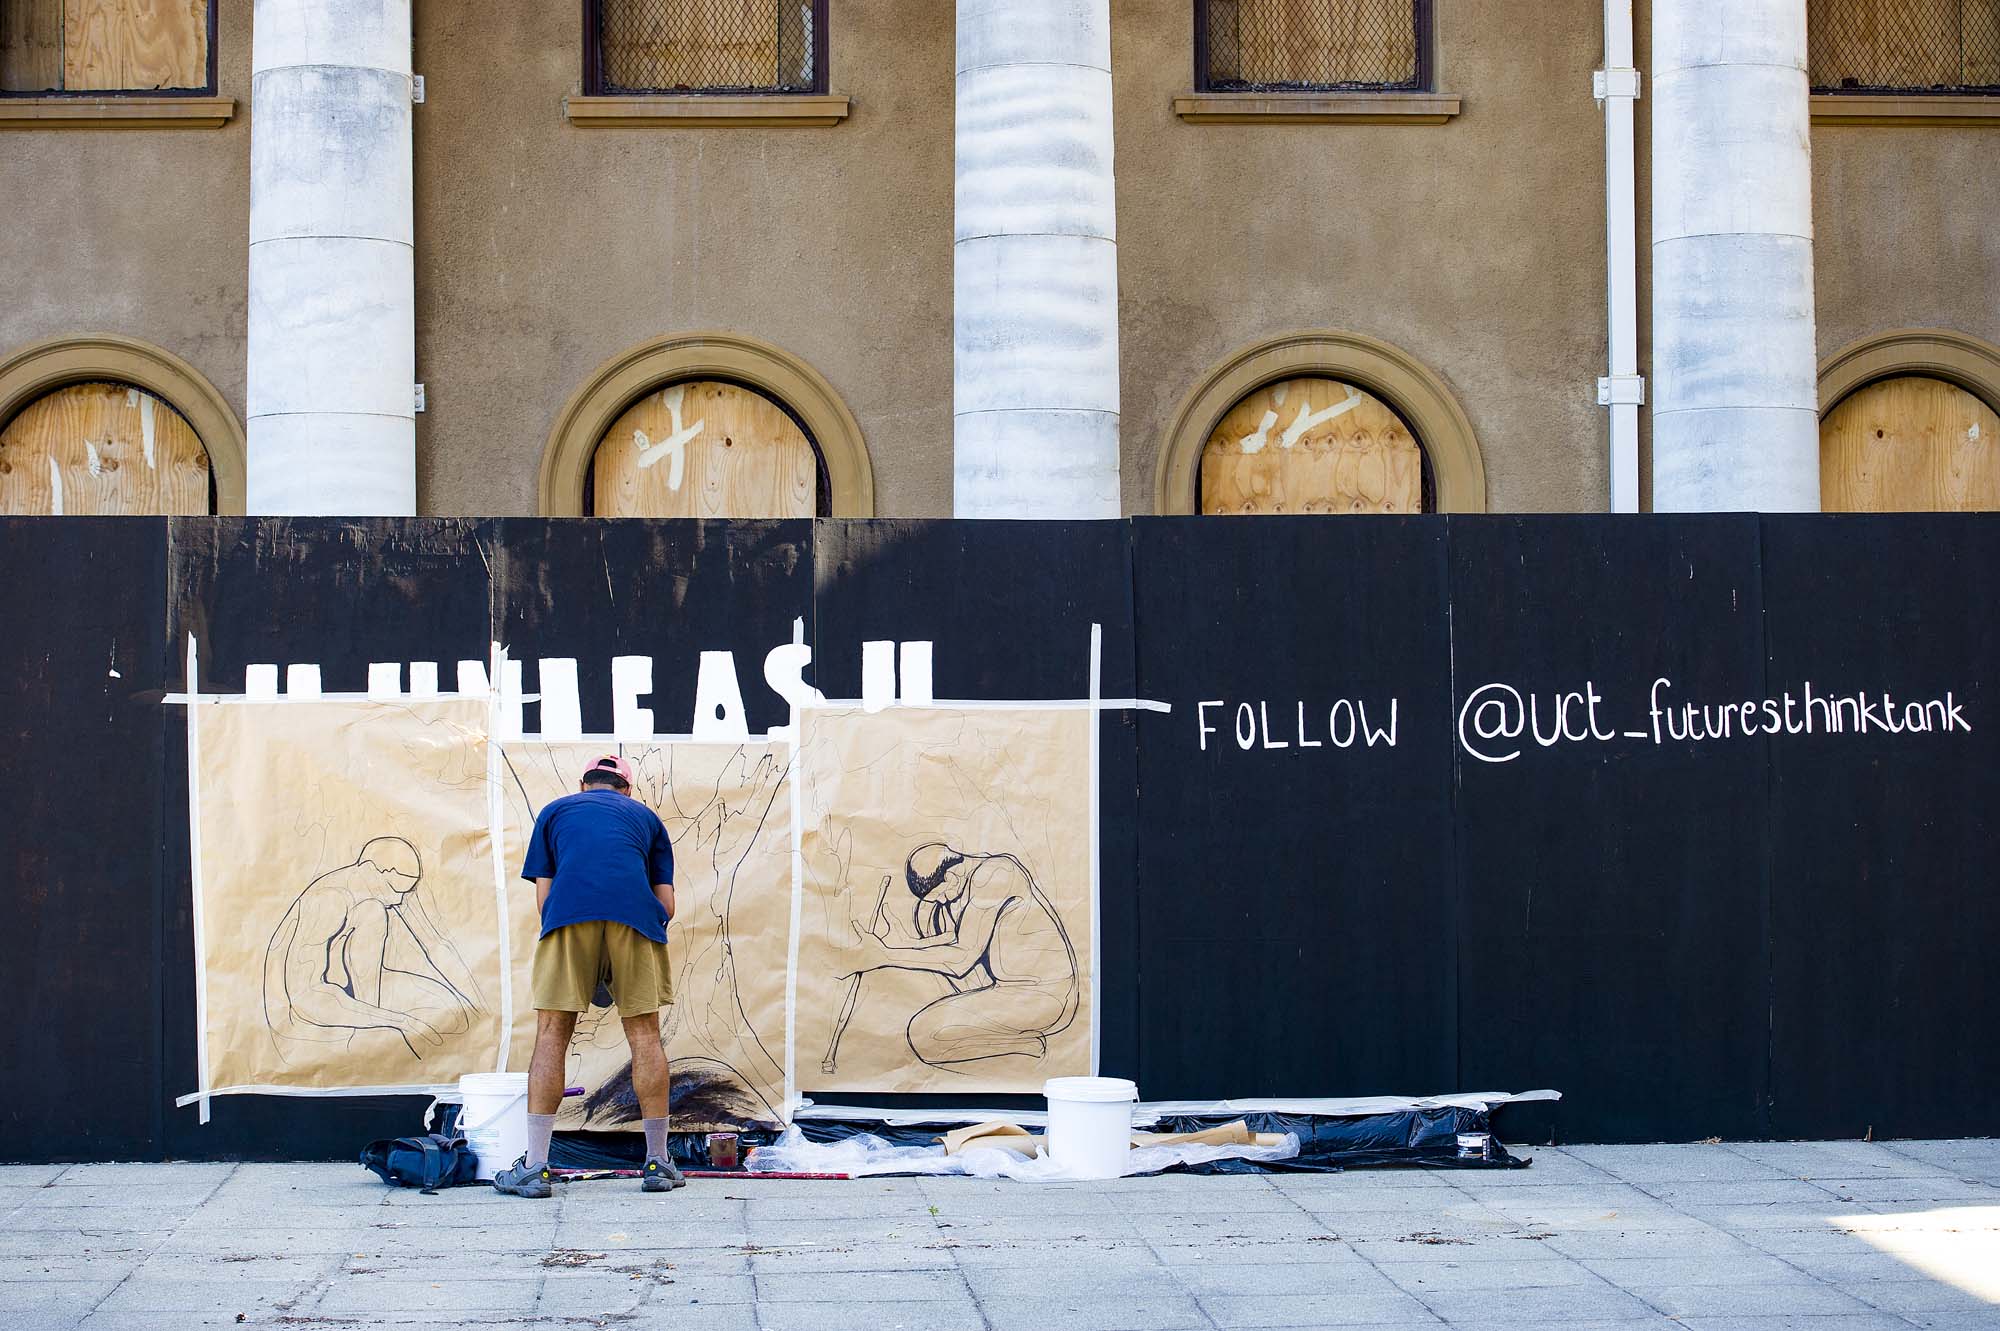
(1786, 935)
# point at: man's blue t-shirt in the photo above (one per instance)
(605, 851)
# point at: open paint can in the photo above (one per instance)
(1475, 1145)
(722, 1150)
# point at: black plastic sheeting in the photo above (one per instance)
(1424, 1137)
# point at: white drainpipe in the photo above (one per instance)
(1623, 390)
(331, 374)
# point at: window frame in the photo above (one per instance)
(593, 63)
(1818, 90)
(208, 89)
(1423, 18)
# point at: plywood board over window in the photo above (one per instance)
(705, 449)
(1911, 444)
(103, 45)
(101, 448)
(31, 45)
(1311, 445)
(135, 44)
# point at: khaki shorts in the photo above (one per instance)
(571, 960)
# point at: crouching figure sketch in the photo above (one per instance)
(357, 952)
(991, 933)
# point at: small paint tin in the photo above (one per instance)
(722, 1150)
(1474, 1145)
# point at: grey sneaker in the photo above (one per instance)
(521, 1181)
(660, 1176)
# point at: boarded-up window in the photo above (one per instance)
(1312, 445)
(705, 449)
(100, 46)
(1909, 46)
(101, 448)
(1312, 45)
(683, 46)
(1910, 445)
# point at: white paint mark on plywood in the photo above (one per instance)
(93, 461)
(1307, 418)
(1254, 441)
(146, 428)
(55, 486)
(674, 447)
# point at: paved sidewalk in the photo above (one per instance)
(1833, 1236)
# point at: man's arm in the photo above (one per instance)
(542, 886)
(664, 894)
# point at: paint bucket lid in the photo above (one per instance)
(1091, 1090)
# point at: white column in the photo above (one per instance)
(1735, 397)
(332, 324)
(1035, 263)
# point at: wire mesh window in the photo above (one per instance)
(683, 46)
(1312, 45)
(1904, 46)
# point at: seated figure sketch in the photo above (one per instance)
(357, 952)
(986, 927)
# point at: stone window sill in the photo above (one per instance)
(1888, 109)
(1329, 108)
(671, 112)
(115, 112)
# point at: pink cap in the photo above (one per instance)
(612, 763)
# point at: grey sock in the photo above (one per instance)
(540, 1128)
(656, 1137)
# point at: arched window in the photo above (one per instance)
(1313, 445)
(706, 448)
(1910, 444)
(102, 447)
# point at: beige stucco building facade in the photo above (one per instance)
(1464, 241)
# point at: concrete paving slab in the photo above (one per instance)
(31, 1176)
(1835, 1160)
(1567, 1303)
(146, 1174)
(1158, 1312)
(1548, 1273)
(1347, 1271)
(1745, 1268)
(1072, 1280)
(253, 1298)
(462, 1296)
(1663, 1164)
(1837, 1322)
(1800, 1297)
(857, 1286)
(1312, 1310)
(1432, 1248)
(950, 1315)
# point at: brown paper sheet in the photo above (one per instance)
(349, 928)
(945, 929)
(727, 809)
(994, 1133)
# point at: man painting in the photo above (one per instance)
(603, 871)
(989, 930)
(357, 952)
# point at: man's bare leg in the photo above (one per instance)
(653, 1084)
(545, 1080)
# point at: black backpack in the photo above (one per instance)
(428, 1162)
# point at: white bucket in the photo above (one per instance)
(494, 1119)
(1090, 1125)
